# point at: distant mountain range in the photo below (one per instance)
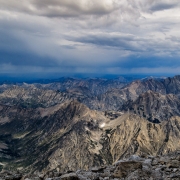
(75, 124)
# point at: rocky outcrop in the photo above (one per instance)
(134, 167)
(124, 168)
(71, 176)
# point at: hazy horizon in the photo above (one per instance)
(53, 77)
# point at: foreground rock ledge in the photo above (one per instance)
(154, 168)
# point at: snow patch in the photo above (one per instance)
(102, 125)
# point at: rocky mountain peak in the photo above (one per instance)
(154, 106)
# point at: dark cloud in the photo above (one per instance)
(61, 8)
(108, 36)
(123, 42)
(148, 62)
(139, 46)
(162, 6)
(25, 59)
(16, 52)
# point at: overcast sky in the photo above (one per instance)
(90, 36)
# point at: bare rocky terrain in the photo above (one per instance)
(90, 128)
(135, 167)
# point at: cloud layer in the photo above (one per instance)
(89, 36)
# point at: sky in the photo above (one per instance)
(90, 36)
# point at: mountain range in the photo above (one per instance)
(72, 124)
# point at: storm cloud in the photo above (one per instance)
(109, 36)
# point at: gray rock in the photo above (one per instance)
(175, 176)
(124, 168)
(70, 176)
(173, 164)
(154, 162)
(97, 169)
(135, 158)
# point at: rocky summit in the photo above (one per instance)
(90, 129)
(135, 167)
